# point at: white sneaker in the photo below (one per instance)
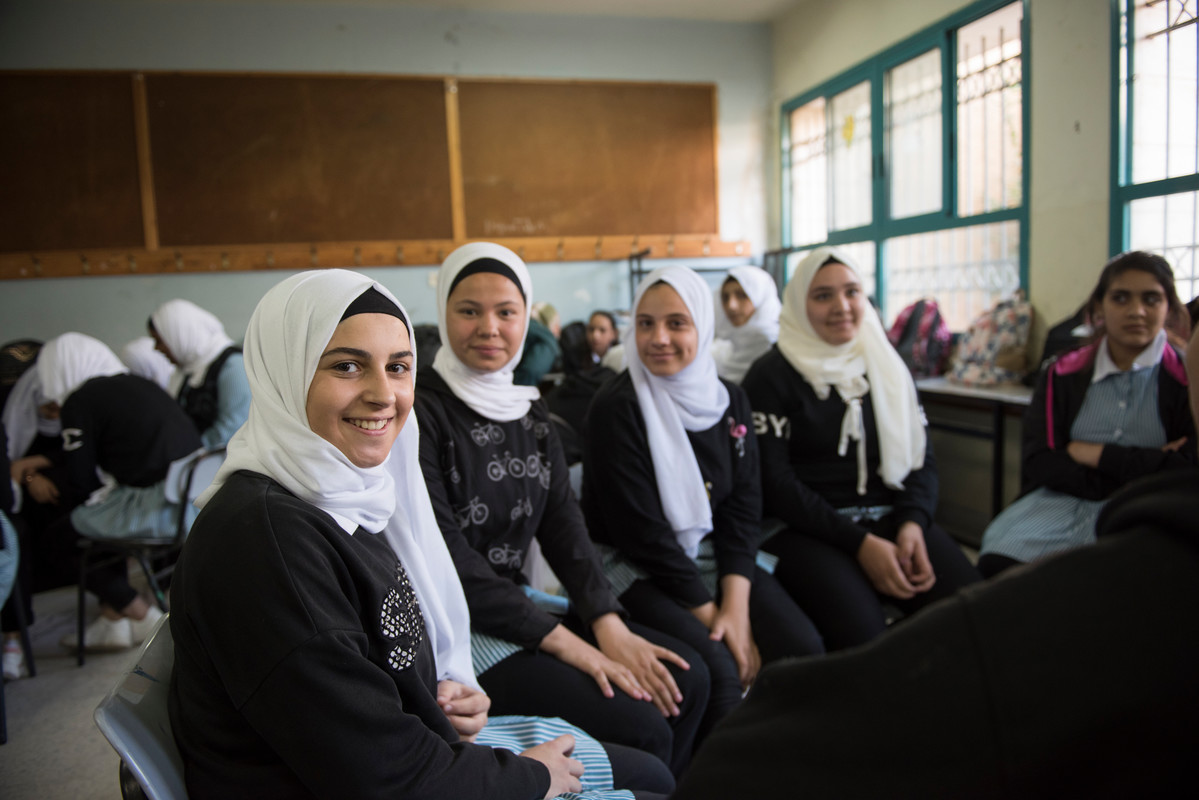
(140, 628)
(14, 663)
(103, 635)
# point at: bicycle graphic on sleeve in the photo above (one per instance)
(473, 513)
(505, 556)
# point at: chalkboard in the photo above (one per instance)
(573, 158)
(69, 159)
(259, 159)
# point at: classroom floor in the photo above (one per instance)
(54, 749)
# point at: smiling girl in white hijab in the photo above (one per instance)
(845, 460)
(671, 489)
(742, 342)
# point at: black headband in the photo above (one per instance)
(372, 301)
(487, 265)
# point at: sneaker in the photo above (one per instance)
(103, 635)
(14, 662)
(141, 628)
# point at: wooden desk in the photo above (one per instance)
(999, 400)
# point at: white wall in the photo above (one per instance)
(1069, 83)
(128, 34)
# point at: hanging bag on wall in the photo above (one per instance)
(922, 338)
(994, 350)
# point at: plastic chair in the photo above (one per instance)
(186, 478)
(133, 718)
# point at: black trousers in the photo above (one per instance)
(781, 629)
(833, 588)
(538, 684)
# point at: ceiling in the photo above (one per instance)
(712, 10)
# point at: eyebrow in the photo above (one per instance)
(352, 351)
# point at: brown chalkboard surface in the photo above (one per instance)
(68, 158)
(573, 158)
(258, 159)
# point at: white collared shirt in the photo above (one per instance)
(1104, 365)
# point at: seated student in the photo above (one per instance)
(671, 488)
(350, 678)
(568, 401)
(748, 323)
(498, 480)
(846, 461)
(1045, 683)
(212, 377)
(541, 351)
(129, 430)
(602, 334)
(143, 358)
(1101, 416)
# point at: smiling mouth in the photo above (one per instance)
(369, 424)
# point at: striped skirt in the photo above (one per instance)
(517, 734)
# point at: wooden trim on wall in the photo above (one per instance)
(145, 167)
(454, 137)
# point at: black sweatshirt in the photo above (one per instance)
(302, 668)
(623, 506)
(495, 486)
(125, 425)
(804, 480)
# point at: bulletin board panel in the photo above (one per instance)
(258, 159)
(69, 162)
(573, 158)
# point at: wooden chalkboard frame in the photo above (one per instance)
(163, 205)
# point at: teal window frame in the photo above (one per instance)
(1123, 190)
(882, 227)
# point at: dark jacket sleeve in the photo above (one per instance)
(784, 495)
(567, 547)
(79, 448)
(624, 496)
(1048, 464)
(737, 519)
(917, 501)
(7, 497)
(498, 606)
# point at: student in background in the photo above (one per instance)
(212, 377)
(541, 351)
(846, 461)
(671, 490)
(498, 481)
(602, 334)
(1101, 416)
(348, 679)
(747, 322)
(568, 401)
(127, 429)
(143, 358)
(1067, 678)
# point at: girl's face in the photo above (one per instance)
(485, 321)
(600, 334)
(835, 303)
(161, 346)
(736, 303)
(1133, 310)
(667, 339)
(363, 388)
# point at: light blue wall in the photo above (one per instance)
(127, 35)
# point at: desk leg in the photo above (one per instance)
(997, 465)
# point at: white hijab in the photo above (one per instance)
(22, 421)
(68, 361)
(194, 336)
(747, 343)
(490, 394)
(142, 358)
(693, 399)
(287, 334)
(868, 363)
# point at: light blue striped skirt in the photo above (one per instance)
(517, 734)
(128, 512)
(623, 573)
(1042, 523)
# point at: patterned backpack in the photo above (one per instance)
(922, 338)
(994, 350)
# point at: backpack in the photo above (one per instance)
(922, 338)
(993, 350)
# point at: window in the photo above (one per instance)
(914, 162)
(1156, 174)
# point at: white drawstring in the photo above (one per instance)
(851, 428)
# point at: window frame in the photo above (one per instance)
(882, 227)
(1123, 190)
